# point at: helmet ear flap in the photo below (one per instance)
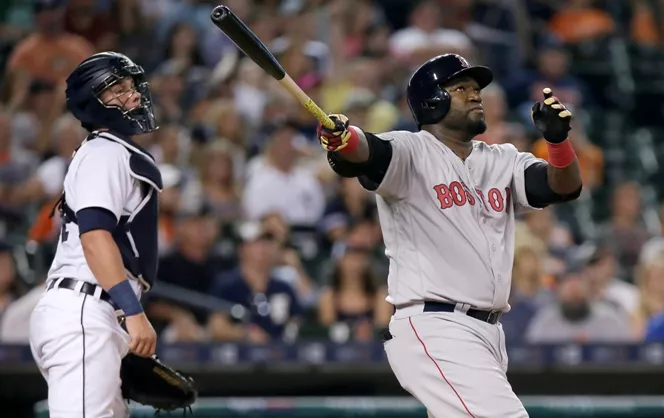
(435, 107)
(431, 103)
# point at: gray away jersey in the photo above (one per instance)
(449, 226)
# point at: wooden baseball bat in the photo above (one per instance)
(249, 43)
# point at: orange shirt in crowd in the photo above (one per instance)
(644, 27)
(44, 228)
(573, 26)
(49, 59)
(591, 161)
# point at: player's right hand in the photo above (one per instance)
(334, 139)
(143, 337)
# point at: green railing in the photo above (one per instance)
(538, 407)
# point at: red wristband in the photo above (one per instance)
(561, 155)
(353, 142)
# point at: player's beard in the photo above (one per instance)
(475, 123)
(475, 127)
(465, 122)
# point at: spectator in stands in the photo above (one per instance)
(376, 114)
(218, 184)
(577, 318)
(169, 205)
(655, 245)
(277, 183)
(557, 238)
(552, 70)
(499, 129)
(625, 233)
(352, 203)
(298, 41)
(8, 280)
(590, 156)
(499, 31)
(405, 121)
(579, 21)
(15, 319)
(15, 307)
(48, 54)
(33, 123)
(168, 147)
(251, 94)
(362, 86)
(354, 23)
(272, 307)
(530, 285)
(424, 38)
(189, 266)
(353, 298)
(216, 45)
(649, 320)
(44, 187)
(606, 286)
(195, 13)
(83, 18)
(15, 162)
(289, 267)
(181, 54)
(168, 85)
(228, 124)
(46, 183)
(645, 25)
(15, 167)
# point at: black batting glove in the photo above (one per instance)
(552, 118)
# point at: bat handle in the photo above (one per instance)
(292, 87)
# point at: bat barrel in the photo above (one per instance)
(219, 13)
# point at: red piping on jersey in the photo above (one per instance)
(438, 367)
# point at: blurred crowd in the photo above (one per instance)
(260, 240)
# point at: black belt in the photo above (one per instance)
(87, 288)
(491, 317)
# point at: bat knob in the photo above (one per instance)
(220, 12)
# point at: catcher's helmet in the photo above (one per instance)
(94, 75)
(427, 99)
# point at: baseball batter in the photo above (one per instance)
(447, 207)
(107, 252)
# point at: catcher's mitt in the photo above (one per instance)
(150, 382)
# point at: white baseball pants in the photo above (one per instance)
(454, 364)
(78, 346)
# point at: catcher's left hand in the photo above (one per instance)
(148, 381)
(552, 118)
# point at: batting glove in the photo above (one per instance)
(334, 139)
(552, 118)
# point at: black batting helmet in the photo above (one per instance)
(427, 99)
(96, 74)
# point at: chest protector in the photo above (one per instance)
(136, 235)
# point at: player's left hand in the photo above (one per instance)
(552, 118)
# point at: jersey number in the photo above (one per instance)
(64, 234)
